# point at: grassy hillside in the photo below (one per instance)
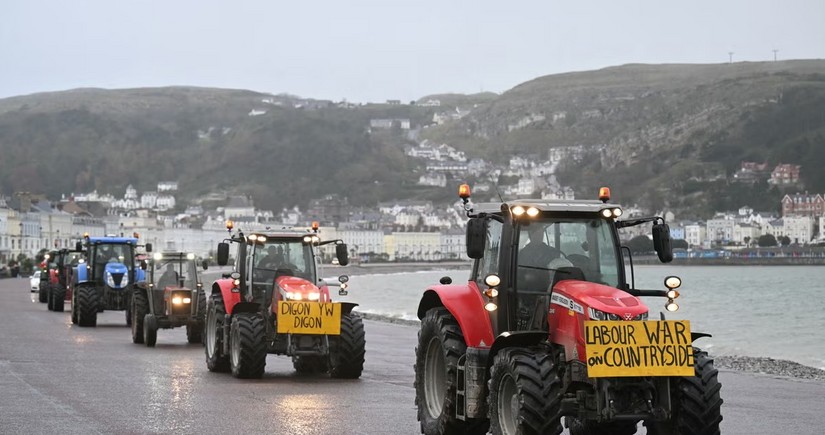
(660, 135)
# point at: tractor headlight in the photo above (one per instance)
(110, 280)
(601, 315)
(314, 296)
(293, 296)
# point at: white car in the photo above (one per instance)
(35, 281)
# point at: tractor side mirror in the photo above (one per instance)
(341, 254)
(78, 246)
(148, 247)
(661, 242)
(223, 254)
(205, 265)
(476, 237)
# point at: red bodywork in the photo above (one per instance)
(569, 309)
(53, 277)
(466, 305)
(287, 283)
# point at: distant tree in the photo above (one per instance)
(640, 245)
(747, 240)
(785, 240)
(766, 240)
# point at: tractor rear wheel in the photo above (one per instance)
(43, 293)
(440, 344)
(140, 307)
(310, 364)
(216, 361)
(585, 427)
(525, 393)
(194, 333)
(695, 400)
(87, 305)
(150, 330)
(247, 347)
(57, 295)
(346, 351)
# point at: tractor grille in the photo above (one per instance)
(117, 278)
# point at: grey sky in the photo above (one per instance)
(379, 49)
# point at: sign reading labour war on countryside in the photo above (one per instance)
(309, 318)
(638, 348)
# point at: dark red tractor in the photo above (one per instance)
(549, 330)
(61, 267)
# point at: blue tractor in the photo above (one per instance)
(106, 279)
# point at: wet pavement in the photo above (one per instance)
(60, 378)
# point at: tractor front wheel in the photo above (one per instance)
(440, 344)
(695, 400)
(247, 345)
(150, 330)
(346, 353)
(525, 393)
(87, 304)
(216, 361)
(140, 308)
(57, 296)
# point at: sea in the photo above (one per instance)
(756, 311)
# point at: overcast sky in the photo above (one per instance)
(380, 49)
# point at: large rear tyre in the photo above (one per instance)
(346, 351)
(247, 347)
(216, 361)
(697, 405)
(87, 305)
(140, 308)
(310, 364)
(584, 427)
(525, 393)
(150, 330)
(57, 296)
(440, 344)
(194, 333)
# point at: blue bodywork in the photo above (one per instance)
(114, 275)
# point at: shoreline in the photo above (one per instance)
(745, 364)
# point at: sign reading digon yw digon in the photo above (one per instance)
(309, 317)
(638, 348)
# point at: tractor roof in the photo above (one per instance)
(284, 233)
(113, 240)
(557, 205)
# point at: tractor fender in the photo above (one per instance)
(697, 335)
(346, 307)
(245, 307)
(464, 302)
(82, 273)
(515, 339)
(223, 287)
(140, 275)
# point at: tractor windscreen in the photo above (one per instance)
(175, 273)
(285, 257)
(114, 253)
(552, 249)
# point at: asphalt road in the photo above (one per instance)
(59, 378)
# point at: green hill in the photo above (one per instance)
(660, 135)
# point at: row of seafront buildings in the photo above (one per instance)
(802, 221)
(403, 230)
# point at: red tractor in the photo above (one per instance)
(549, 330)
(61, 267)
(274, 302)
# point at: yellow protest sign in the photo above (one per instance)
(309, 317)
(638, 348)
